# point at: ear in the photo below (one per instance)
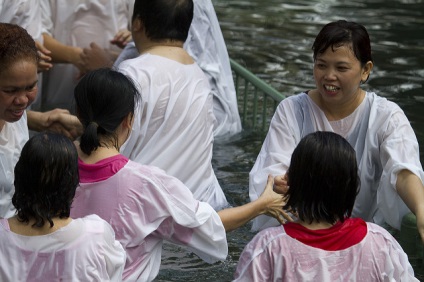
(136, 25)
(366, 70)
(127, 122)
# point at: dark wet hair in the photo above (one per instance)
(103, 98)
(338, 33)
(323, 178)
(16, 44)
(46, 176)
(165, 19)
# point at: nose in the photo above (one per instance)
(23, 98)
(330, 74)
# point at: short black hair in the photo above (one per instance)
(165, 19)
(46, 177)
(103, 98)
(323, 178)
(338, 33)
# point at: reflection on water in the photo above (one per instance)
(273, 39)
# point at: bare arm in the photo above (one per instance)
(411, 190)
(61, 53)
(269, 203)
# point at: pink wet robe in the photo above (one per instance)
(272, 255)
(145, 206)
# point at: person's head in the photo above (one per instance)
(342, 62)
(163, 19)
(18, 72)
(105, 103)
(323, 178)
(46, 177)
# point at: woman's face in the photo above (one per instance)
(18, 89)
(338, 75)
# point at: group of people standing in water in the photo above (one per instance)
(337, 163)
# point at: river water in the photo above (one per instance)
(273, 39)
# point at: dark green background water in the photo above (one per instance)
(273, 39)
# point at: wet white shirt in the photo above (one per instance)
(173, 125)
(205, 43)
(146, 207)
(272, 255)
(378, 130)
(25, 13)
(13, 137)
(78, 23)
(84, 250)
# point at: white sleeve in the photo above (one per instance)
(46, 17)
(398, 151)
(274, 157)
(114, 254)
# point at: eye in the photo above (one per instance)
(320, 65)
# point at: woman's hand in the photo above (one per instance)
(274, 202)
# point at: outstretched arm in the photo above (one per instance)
(269, 203)
(411, 190)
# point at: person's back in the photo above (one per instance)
(173, 126)
(41, 241)
(324, 243)
(84, 250)
(279, 257)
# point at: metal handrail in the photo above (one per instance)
(253, 96)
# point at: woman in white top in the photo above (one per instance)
(385, 144)
(41, 242)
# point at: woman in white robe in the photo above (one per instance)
(41, 242)
(385, 144)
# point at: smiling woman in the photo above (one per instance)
(18, 88)
(385, 144)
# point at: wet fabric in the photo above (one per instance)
(145, 207)
(340, 236)
(173, 124)
(78, 23)
(13, 137)
(84, 250)
(272, 255)
(378, 130)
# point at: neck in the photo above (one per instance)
(315, 225)
(2, 123)
(27, 229)
(97, 155)
(152, 45)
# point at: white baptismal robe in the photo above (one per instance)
(272, 255)
(25, 13)
(13, 137)
(173, 125)
(83, 250)
(146, 207)
(378, 130)
(205, 43)
(78, 23)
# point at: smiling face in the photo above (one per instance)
(18, 89)
(338, 74)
